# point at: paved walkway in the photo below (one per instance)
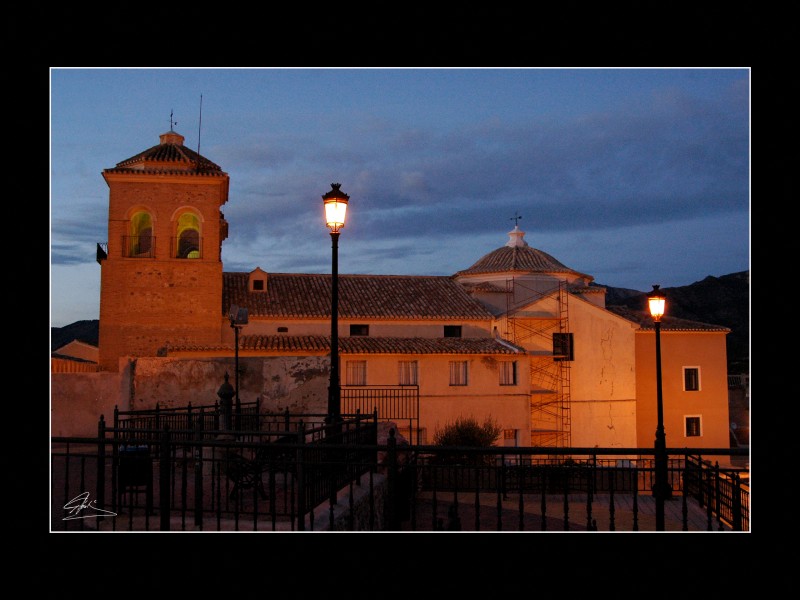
(621, 519)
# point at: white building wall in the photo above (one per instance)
(602, 377)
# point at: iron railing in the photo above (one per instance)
(183, 421)
(396, 403)
(722, 491)
(138, 246)
(336, 476)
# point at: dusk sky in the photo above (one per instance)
(634, 176)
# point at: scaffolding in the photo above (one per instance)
(550, 355)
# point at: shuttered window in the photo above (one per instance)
(693, 427)
(356, 372)
(458, 372)
(691, 379)
(508, 372)
(407, 372)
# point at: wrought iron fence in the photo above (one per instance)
(398, 403)
(721, 491)
(336, 476)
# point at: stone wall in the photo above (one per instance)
(78, 399)
(294, 382)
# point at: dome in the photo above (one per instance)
(518, 257)
(169, 155)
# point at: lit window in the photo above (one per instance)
(458, 372)
(356, 372)
(508, 372)
(188, 235)
(691, 379)
(140, 241)
(693, 427)
(509, 437)
(407, 372)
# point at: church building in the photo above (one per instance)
(517, 337)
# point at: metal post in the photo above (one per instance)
(736, 503)
(236, 365)
(164, 468)
(660, 449)
(300, 477)
(101, 465)
(198, 472)
(391, 521)
(334, 393)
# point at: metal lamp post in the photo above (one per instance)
(661, 489)
(238, 317)
(335, 202)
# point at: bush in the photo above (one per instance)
(466, 431)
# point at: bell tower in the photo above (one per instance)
(161, 269)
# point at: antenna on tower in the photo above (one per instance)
(199, 128)
(171, 122)
(516, 218)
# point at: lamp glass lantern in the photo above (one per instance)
(657, 303)
(335, 202)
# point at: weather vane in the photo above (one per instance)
(171, 122)
(516, 218)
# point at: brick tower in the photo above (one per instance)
(161, 270)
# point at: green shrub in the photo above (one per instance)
(466, 431)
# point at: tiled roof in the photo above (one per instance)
(365, 345)
(71, 358)
(298, 295)
(645, 321)
(586, 289)
(517, 259)
(485, 286)
(170, 150)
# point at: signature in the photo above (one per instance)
(80, 503)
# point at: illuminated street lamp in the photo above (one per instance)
(661, 489)
(335, 202)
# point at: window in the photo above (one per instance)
(140, 242)
(188, 236)
(693, 427)
(283, 329)
(508, 372)
(452, 331)
(258, 285)
(356, 372)
(509, 437)
(359, 330)
(407, 372)
(563, 347)
(458, 372)
(691, 379)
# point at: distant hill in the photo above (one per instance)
(84, 331)
(715, 300)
